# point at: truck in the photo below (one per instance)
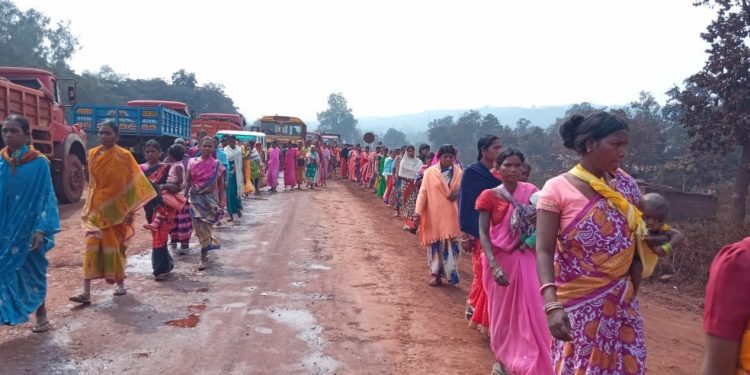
(138, 121)
(331, 139)
(35, 94)
(212, 123)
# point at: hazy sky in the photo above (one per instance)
(395, 56)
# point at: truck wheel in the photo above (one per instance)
(69, 182)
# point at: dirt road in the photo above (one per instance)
(308, 282)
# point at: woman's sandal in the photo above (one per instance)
(83, 300)
(120, 291)
(41, 327)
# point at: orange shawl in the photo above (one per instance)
(117, 188)
(438, 215)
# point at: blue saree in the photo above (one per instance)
(27, 205)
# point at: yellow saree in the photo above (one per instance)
(117, 188)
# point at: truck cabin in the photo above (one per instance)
(35, 79)
(234, 119)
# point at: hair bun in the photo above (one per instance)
(569, 131)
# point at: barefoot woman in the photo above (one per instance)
(117, 189)
(28, 223)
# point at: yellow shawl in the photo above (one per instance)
(634, 216)
(438, 215)
(117, 188)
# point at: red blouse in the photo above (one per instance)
(490, 202)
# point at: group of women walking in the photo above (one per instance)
(551, 283)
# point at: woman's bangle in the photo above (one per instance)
(547, 285)
(552, 306)
(667, 247)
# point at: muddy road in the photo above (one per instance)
(307, 282)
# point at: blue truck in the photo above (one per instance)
(138, 122)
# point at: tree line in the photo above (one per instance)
(28, 39)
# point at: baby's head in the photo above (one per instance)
(655, 210)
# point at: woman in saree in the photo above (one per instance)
(117, 189)
(407, 173)
(354, 164)
(380, 178)
(518, 330)
(247, 170)
(436, 215)
(235, 177)
(28, 223)
(160, 217)
(205, 187)
(325, 160)
(726, 319)
(300, 164)
(477, 178)
(290, 168)
(311, 168)
(587, 230)
(365, 166)
(183, 228)
(256, 166)
(272, 171)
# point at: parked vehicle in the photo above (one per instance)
(331, 139)
(244, 136)
(212, 123)
(34, 94)
(138, 122)
(283, 128)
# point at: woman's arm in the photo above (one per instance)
(721, 356)
(188, 182)
(548, 224)
(484, 236)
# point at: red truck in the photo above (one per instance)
(34, 94)
(212, 123)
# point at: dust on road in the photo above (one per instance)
(307, 282)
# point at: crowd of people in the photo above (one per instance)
(556, 271)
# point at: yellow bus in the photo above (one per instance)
(282, 128)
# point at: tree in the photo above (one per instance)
(394, 138)
(338, 119)
(715, 102)
(183, 78)
(27, 39)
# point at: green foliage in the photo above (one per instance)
(27, 39)
(714, 106)
(394, 138)
(338, 119)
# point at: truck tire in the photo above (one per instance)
(69, 182)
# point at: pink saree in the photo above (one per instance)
(290, 167)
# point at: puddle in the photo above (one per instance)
(309, 332)
(314, 266)
(190, 322)
(140, 263)
(263, 330)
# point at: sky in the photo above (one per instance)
(391, 57)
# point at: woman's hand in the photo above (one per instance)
(559, 325)
(454, 196)
(499, 276)
(37, 240)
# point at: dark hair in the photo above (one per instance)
(484, 143)
(657, 202)
(22, 122)
(112, 125)
(153, 143)
(528, 166)
(410, 147)
(577, 130)
(508, 152)
(176, 152)
(446, 149)
(207, 137)
(423, 147)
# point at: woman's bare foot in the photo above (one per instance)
(436, 282)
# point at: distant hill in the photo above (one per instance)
(417, 122)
